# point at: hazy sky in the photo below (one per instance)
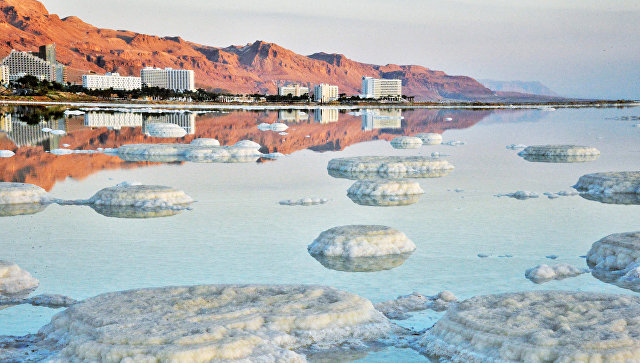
(585, 48)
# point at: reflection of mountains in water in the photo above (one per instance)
(32, 164)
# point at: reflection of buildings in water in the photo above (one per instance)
(117, 120)
(381, 119)
(292, 116)
(326, 115)
(23, 134)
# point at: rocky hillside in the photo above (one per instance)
(530, 87)
(256, 67)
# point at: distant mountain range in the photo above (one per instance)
(530, 87)
(255, 67)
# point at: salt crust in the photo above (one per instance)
(363, 167)
(616, 259)
(205, 142)
(46, 300)
(399, 308)
(430, 138)
(545, 273)
(211, 323)
(164, 130)
(15, 281)
(141, 196)
(541, 326)
(243, 151)
(406, 142)
(361, 241)
(307, 201)
(21, 193)
(559, 153)
(520, 194)
(610, 183)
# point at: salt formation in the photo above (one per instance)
(616, 259)
(559, 153)
(21, 193)
(212, 323)
(454, 143)
(399, 308)
(545, 273)
(205, 142)
(536, 327)
(45, 300)
(613, 187)
(6, 153)
(15, 281)
(406, 142)
(364, 167)
(385, 192)
(361, 241)
(308, 201)
(141, 196)
(520, 194)
(164, 130)
(430, 138)
(200, 151)
(516, 146)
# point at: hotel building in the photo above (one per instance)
(325, 93)
(294, 90)
(381, 88)
(111, 80)
(173, 79)
(4, 75)
(25, 63)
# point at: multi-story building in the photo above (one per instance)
(48, 53)
(25, 63)
(4, 75)
(381, 88)
(111, 80)
(294, 90)
(326, 115)
(173, 79)
(325, 93)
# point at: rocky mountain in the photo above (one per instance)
(255, 67)
(530, 87)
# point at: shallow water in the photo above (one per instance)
(238, 233)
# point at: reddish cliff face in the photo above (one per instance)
(32, 164)
(26, 24)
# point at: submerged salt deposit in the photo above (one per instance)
(541, 326)
(430, 138)
(364, 167)
(612, 187)
(361, 241)
(545, 273)
(249, 323)
(141, 196)
(308, 201)
(399, 308)
(15, 281)
(406, 142)
(164, 130)
(616, 259)
(22, 193)
(200, 150)
(385, 192)
(520, 194)
(559, 153)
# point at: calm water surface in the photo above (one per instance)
(238, 233)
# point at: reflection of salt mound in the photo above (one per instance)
(406, 142)
(399, 308)
(544, 273)
(385, 192)
(164, 130)
(249, 323)
(14, 280)
(10, 210)
(135, 212)
(277, 127)
(541, 326)
(616, 259)
(361, 241)
(364, 167)
(6, 153)
(612, 187)
(21, 193)
(362, 264)
(205, 142)
(430, 138)
(141, 196)
(203, 151)
(559, 153)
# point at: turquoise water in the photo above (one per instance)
(238, 233)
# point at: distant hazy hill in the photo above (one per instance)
(530, 87)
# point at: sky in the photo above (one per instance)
(579, 48)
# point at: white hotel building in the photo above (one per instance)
(325, 93)
(169, 78)
(4, 75)
(111, 80)
(294, 90)
(25, 63)
(381, 88)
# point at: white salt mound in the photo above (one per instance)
(616, 258)
(6, 153)
(544, 273)
(385, 188)
(559, 153)
(362, 167)
(21, 193)
(197, 151)
(399, 308)
(454, 143)
(14, 280)
(308, 201)
(430, 138)
(520, 194)
(623, 182)
(361, 241)
(141, 196)
(164, 130)
(536, 327)
(516, 146)
(406, 142)
(205, 142)
(212, 323)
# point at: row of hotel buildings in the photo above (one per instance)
(376, 88)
